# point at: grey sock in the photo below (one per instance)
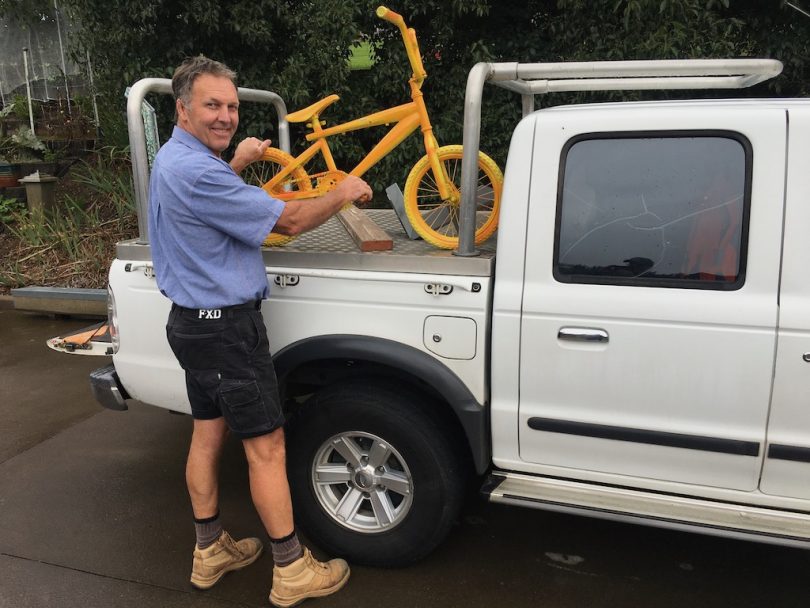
(286, 550)
(208, 530)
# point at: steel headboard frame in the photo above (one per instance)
(530, 79)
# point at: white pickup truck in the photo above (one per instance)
(635, 346)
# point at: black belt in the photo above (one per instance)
(218, 313)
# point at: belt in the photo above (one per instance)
(217, 313)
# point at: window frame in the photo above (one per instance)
(677, 283)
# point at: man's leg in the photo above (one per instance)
(202, 466)
(268, 482)
(296, 574)
(216, 552)
(196, 342)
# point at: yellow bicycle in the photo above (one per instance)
(432, 193)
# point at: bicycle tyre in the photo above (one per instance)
(425, 207)
(260, 172)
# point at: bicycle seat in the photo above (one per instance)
(310, 111)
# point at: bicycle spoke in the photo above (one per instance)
(429, 183)
(452, 174)
(454, 219)
(437, 217)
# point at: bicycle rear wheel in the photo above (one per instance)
(437, 220)
(260, 172)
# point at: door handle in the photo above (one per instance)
(583, 334)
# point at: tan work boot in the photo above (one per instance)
(225, 554)
(307, 577)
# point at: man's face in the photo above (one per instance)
(212, 115)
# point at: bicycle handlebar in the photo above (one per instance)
(409, 38)
(388, 15)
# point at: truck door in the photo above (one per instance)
(650, 301)
(787, 457)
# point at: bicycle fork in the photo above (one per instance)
(447, 190)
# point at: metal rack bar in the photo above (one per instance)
(529, 79)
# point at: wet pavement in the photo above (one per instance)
(93, 513)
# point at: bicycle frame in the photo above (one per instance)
(406, 118)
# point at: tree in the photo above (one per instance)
(298, 48)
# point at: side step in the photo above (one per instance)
(661, 510)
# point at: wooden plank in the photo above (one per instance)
(364, 231)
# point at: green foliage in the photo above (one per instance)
(19, 107)
(108, 176)
(22, 146)
(9, 207)
(74, 245)
(27, 142)
(300, 50)
(28, 12)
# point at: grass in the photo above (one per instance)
(73, 247)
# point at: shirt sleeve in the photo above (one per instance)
(225, 202)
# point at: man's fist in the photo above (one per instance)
(249, 150)
(353, 189)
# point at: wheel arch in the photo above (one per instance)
(409, 363)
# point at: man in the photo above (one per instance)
(206, 227)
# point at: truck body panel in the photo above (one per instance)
(346, 296)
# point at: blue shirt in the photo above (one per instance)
(206, 227)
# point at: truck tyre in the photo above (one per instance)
(375, 476)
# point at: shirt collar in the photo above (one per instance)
(186, 138)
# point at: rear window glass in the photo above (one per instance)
(656, 210)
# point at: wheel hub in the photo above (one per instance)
(364, 481)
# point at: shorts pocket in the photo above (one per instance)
(195, 351)
(243, 405)
(252, 333)
(262, 341)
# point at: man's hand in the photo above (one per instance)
(302, 215)
(248, 151)
(352, 189)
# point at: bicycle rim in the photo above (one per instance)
(436, 220)
(260, 172)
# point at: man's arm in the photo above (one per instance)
(302, 215)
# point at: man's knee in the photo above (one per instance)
(208, 436)
(265, 449)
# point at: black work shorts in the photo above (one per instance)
(229, 371)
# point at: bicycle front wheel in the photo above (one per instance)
(436, 219)
(260, 172)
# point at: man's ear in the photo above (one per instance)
(181, 111)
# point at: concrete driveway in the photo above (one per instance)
(93, 513)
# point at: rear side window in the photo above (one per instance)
(658, 210)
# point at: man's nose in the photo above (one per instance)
(224, 114)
